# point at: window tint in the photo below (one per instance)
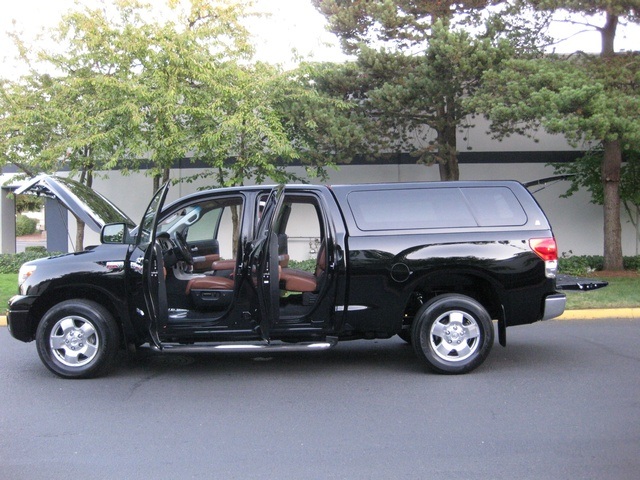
(208, 223)
(205, 227)
(495, 206)
(411, 209)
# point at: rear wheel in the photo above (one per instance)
(77, 339)
(452, 334)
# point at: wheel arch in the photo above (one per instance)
(472, 283)
(115, 307)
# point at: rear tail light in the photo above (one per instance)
(547, 250)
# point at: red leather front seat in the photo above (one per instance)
(209, 282)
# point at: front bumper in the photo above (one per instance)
(554, 305)
(18, 320)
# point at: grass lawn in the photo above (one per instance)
(622, 292)
(8, 288)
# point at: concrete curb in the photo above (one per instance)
(630, 313)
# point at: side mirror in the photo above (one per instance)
(117, 233)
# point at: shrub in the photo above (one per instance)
(37, 249)
(585, 264)
(632, 263)
(579, 264)
(306, 265)
(11, 262)
(25, 225)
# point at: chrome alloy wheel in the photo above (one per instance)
(74, 341)
(454, 336)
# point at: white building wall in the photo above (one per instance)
(576, 222)
(479, 139)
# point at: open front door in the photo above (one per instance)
(263, 263)
(155, 292)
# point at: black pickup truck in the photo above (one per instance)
(434, 263)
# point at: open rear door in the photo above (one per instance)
(263, 263)
(154, 287)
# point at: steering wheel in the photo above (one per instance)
(182, 247)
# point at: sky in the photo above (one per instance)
(293, 24)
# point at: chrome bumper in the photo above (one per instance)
(554, 305)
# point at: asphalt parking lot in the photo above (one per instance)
(561, 401)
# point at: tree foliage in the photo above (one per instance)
(586, 98)
(587, 173)
(419, 61)
(132, 88)
(591, 99)
(399, 24)
(324, 112)
(28, 203)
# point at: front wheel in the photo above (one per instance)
(77, 339)
(452, 334)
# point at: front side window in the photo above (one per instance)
(211, 222)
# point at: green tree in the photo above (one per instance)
(324, 115)
(588, 98)
(129, 88)
(587, 173)
(28, 203)
(420, 60)
(187, 67)
(79, 115)
(240, 134)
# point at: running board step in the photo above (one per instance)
(325, 344)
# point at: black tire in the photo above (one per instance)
(452, 334)
(78, 339)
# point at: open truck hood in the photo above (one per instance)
(87, 205)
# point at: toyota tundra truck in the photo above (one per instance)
(435, 263)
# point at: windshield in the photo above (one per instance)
(178, 221)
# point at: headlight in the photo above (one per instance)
(25, 272)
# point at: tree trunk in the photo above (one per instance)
(448, 154)
(611, 166)
(608, 35)
(235, 221)
(161, 177)
(79, 235)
